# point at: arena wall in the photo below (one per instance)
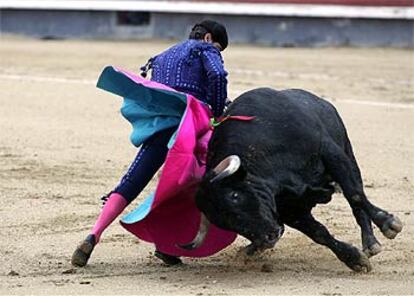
(329, 23)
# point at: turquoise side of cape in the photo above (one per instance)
(147, 108)
(140, 212)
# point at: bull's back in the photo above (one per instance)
(286, 104)
(288, 123)
(299, 112)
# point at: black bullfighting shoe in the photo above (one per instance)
(168, 259)
(82, 253)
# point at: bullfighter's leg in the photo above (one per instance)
(148, 160)
(346, 172)
(350, 255)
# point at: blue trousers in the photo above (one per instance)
(147, 162)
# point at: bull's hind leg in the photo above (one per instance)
(346, 172)
(370, 244)
(351, 256)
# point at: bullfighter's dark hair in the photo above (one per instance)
(198, 32)
(218, 32)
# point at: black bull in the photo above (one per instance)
(272, 170)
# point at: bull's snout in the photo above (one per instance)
(265, 241)
(271, 238)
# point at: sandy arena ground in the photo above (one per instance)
(63, 144)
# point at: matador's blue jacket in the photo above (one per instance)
(196, 68)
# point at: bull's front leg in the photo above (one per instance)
(350, 255)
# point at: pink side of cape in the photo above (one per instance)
(174, 218)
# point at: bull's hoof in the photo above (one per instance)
(372, 250)
(250, 250)
(360, 263)
(391, 227)
(254, 249)
(168, 259)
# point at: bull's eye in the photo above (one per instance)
(235, 196)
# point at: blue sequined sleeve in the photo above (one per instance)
(217, 81)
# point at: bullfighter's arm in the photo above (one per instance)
(217, 81)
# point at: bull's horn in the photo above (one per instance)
(226, 167)
(201, 235)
